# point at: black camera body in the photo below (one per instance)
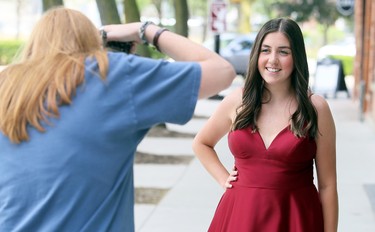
(117, 46)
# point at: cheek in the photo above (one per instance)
(289, 64)
(261, 63)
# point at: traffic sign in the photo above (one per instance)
(218, 16)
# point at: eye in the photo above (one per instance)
(265, 50)
(285, 52)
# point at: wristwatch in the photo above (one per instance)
(142, 31)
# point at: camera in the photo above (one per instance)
(116, 46)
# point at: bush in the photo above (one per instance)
(347, 63)
(8, 50)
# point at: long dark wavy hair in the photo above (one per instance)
(304, 119)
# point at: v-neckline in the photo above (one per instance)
(277, 135)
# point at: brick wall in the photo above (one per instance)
(364, 67)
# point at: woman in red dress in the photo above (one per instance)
(277, 131)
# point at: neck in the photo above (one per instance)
(280, 93)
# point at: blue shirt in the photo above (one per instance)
(78, 174)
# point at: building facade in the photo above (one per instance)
(364, 67)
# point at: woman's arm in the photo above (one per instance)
(217, 73)
(217, 126)
(326, 164)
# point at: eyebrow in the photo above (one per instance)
(282, 47)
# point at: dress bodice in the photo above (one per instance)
(286, 163)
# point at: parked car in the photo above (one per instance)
(345, 47)
(236, 49)
(225, 39)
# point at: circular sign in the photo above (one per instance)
(345, 7)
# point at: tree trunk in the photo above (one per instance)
(182, 16)
(131, 11)
(325, 34)
(47, 4)
(157, 4)
(245, 26)
(132, 15)
(108, 12)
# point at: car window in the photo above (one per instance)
(241, 45)
(246, 44)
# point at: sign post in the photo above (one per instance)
(218, 14)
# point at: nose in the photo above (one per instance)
(273, 58)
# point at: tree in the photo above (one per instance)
(326, 14)
(131, 11)
(47, 4)
(132, 15)
(182, 17)
(323, 11)
(157, 4)
(18, 11)
(200, 10)
(108, 12)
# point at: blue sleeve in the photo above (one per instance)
(163, 91)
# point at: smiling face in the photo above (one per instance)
(275, 62)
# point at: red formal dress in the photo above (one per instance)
(274, 191)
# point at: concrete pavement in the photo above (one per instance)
(193, 194)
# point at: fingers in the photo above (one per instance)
(232, 177)
(114, 32)
(122, 32)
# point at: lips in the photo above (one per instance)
(273, 69)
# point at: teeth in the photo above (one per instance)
(273, 69)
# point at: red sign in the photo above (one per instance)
(218, 16)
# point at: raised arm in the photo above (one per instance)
(217, 73)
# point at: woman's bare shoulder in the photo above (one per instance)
(230, 103)
(235, 97)
(325, 118)
(319, 102)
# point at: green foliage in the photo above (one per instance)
(314, 38)
(48, 4)
(324, 11)
(155, 54)
(347, 63)
(198, 8)
(334, 35)
(8, 50)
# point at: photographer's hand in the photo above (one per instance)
(123, 32)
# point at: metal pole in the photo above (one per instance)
(217, 43)
(362, 84)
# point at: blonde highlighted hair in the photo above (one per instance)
(48, 71)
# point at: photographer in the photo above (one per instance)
(72, 115)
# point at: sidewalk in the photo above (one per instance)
(190, 203)
(355, 166)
